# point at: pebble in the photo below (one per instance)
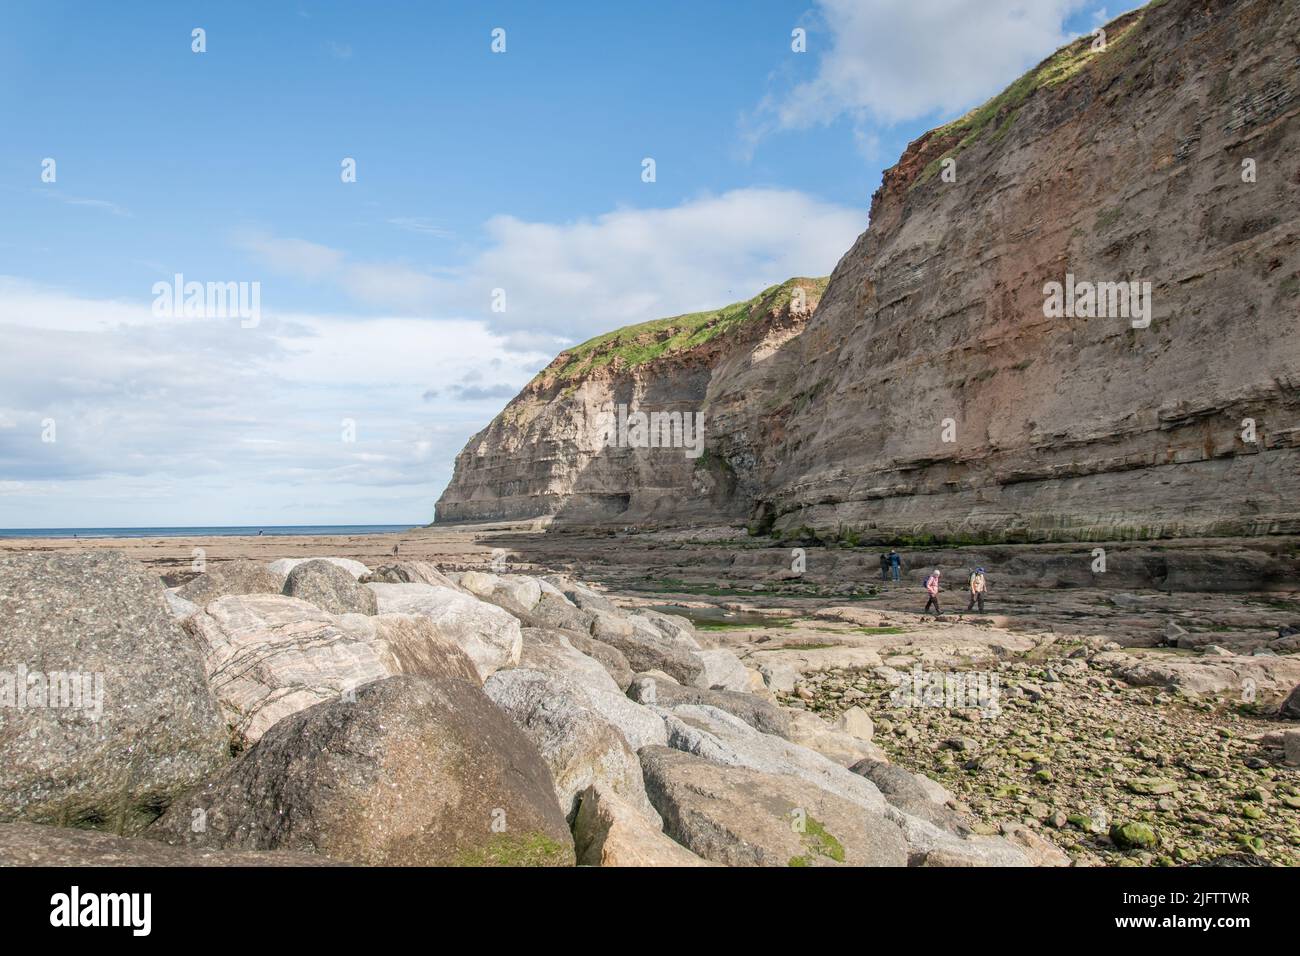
(1092, 763)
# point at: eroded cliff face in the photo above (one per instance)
(931, 393)
(551, 451)
(1123, 165)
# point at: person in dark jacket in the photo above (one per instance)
(884, 567)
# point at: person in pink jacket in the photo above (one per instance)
(932, 587)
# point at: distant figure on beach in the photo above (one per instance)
(978, 586)
(394, 549)
(896, 563)
(260, 533)
(884, 567)
(932, 588)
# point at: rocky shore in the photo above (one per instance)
(323, 709)
(1112, 773)
(483, 710)
(318, 710)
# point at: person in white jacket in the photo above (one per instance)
(978, 587)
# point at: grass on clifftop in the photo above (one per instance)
(1055, 70)
(638, 344)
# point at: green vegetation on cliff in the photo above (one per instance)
(1000, 112)
(637, 344)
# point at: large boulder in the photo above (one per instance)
(330, 588)
(269, 656)
(647, 648)
(760, 714)
(179, 607)
(1036, 848)
(579, 745)
(30, 844)
(723, 670)
(105, 710)
(283, 566)
(911, 793)
(938, 836)
(781, 677)
(516, 593)
(611, 658)
(588, 599)
(608, 831)
(1291, 748)
(742, 817)
(855, 722)
(606, 624)
(931, 845)
(553, 609)
(409, 572)
(414, 772)
(550, 652)
(838, 746)
(1265, 678)
(554, 653)
(489, 635)
(231, 577)
(1290, 708)
(716, 735)
(676, 628)
(410, 645)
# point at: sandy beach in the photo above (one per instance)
(457, 548)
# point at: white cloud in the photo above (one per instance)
(293, 257)
(101, 204)
(183, 421)
(421, 225)
(53, 310)
(566, 282)
(390, 286)
(579, 279)
(890, 61)
(192, 420)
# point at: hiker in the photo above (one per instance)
(932, 587)
(884, 567)
(896, 562)
(978, 585)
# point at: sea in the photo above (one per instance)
(207, 532)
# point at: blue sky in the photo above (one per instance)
(475, 171)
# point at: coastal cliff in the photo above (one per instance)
(548, 453)
(934, 391)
